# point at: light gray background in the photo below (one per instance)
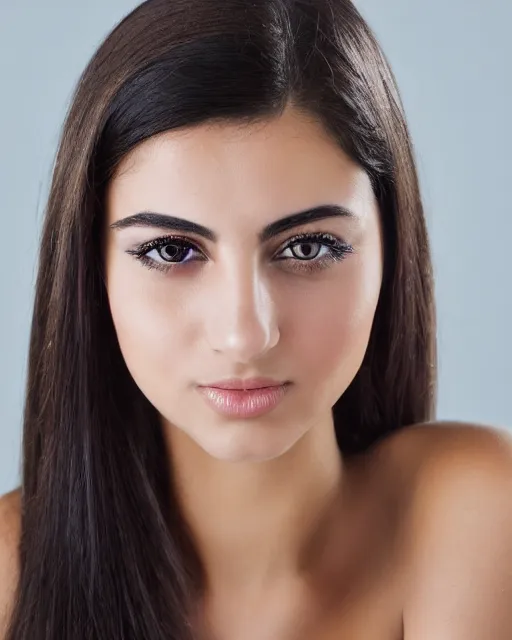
(452, 60)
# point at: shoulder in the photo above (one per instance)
(458, 483)
(447, 449)
(10, 525)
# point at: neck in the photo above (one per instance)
(255, 523)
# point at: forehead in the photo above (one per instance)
(279, 165)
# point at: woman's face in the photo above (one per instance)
(191, 310)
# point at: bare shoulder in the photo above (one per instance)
(457, 478)
(10, 522)
(449, 443)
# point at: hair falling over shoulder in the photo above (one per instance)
(104, 551)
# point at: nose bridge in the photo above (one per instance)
(244, 323)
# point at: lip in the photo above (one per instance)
(239, 403)
(245, 384)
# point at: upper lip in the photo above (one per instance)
(247, 383)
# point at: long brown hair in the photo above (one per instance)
(104, 552)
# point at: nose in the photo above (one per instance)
(242, 322)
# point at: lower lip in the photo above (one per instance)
(244, 404)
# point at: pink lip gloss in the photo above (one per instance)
(244, 404)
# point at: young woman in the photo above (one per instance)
(229, 426)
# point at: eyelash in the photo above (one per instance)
(338, 251)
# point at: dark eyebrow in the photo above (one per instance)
(164, 221)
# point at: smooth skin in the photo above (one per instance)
(412, 539)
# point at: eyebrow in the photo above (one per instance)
(164, 221)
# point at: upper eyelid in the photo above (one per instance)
(198, 243)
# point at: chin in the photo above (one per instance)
(248, 444)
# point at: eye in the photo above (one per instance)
(165, 253)
(315, 251)
(309, 252)
(171, 252)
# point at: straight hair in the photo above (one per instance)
(104, 550)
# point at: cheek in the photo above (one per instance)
(325, 326)
(334, 329)
(151, 326)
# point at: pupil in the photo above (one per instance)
(170, 255)
(306, 252)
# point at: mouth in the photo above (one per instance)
(244, 403)
(246, 384)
